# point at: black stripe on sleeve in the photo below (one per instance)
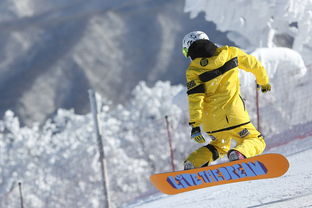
(198, 89)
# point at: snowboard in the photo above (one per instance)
(264, 166)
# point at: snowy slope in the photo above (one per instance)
(293, 190)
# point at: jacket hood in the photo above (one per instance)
(202, 48)
(219, 59)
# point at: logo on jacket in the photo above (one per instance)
(212, 137)
(190, 84)
(204, 62)
(244, 133)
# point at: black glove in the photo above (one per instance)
(264, 88)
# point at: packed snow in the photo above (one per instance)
(292, 190)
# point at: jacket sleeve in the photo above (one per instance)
(249, 63)
(196, 94)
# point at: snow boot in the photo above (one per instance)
(188, 165)
(235, 155)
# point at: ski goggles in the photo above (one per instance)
(185, 51)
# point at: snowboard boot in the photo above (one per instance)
(188, 165)
(235, 155)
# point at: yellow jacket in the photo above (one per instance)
(216, 104)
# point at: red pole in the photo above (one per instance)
(170, 142)
(257, 107)
(21, 194)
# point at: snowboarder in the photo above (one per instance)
(215, 104)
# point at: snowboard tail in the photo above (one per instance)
(258, 167)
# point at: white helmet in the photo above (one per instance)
(190, 38)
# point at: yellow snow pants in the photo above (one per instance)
(249, 142)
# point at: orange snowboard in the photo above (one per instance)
(259, 167)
